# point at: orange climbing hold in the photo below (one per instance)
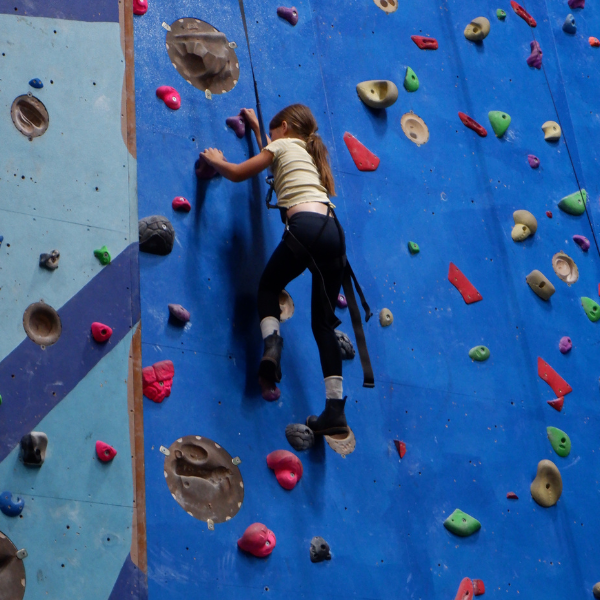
(559, 386)
(523, 14)
(594, 42)
(425, 43)
(478, 587)
(465, 590)
(363, 158)
(557, 404)
(463, 285)
(472, 124)
(401, 447)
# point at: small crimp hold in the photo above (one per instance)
(472, 124)
(523, 14)
(425, 43)
(288, 14)
(582, 242)
(36, 83)
(103, 255)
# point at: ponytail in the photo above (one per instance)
(318, 150)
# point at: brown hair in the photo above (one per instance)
(303, 124)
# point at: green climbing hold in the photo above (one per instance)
(574, 203)
(499, 121)
(103, 255)
(501, 14)
(413, 248)
(560, 441)
(480, 353)
(411, 81)
(592, 308)
(0, 399)
(460, 523)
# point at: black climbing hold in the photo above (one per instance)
(36, 83)
(33, 448)
(157, 235)
(299, 436)
(50, 261)
(319, 550)
(348, 351)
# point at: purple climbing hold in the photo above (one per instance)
(341, 301)
(238, 124)
(179, 313)
(565, 344)
(582, 242)
(289, 14)
(203, 169)
(534, 161)
(576, 3)
(535, 58)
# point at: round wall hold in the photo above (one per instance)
(564, 266)
(42, 324)
(12, 570)
(286, 306)
(29, 116)
(415, 129)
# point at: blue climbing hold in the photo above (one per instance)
(11, 506)
(36, 83)
(569, 24)
(1, 240)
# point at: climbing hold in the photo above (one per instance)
(525, 225)
(594, 42)
(549, 214)
(499, 121)
(289, 14)
(411, 81)
(501, 14)
(414, 128)
(413, 248)
(203, 169)
(546, 488)
(286, 306)
(33, 449)
(36, 83)
(425, 43)
(557, 404)
(576, 3)
(559, 386)
(565, 344)
(29, 116)
(170, 96)
(478, 587)
(535, 58)
(181, 204)
(319, 550)
(342, 443)
(472, 124)
(140, 7)
(341, 301)
(50, 261)
(479, 353)
(258, 540)
(460, 523)
(11, 506)
(42, 324)
(269, 390)
(238, 124)
(569, 24)
(401, 447)
(565, 268)
(512, 496)
(387, 6)
(540, 284)
(103, 255)
(552, 131)
(463, 285)
(363, 158)
(157, 235)
(1, 240)
(596, 590)
(477, 30)
(574, 204)
(287, 466)
(179, 313)
(465, 590)
(523, 13)
(157, 380)
(582, 242)
(386, 318)
(299, 436)
(534, 161)
(560, 441)
(348, 351)
(592, 308)
(105, 452)
(100, 332)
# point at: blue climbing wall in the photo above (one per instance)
(473, 431)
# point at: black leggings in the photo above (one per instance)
(320, 236)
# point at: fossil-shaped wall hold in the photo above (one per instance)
(30, 116)
(42, 324)
(564, 266)
(414, 128)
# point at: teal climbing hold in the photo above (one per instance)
(592, 308)
(560, 441)
(479, 353)
(460, 523)
(499, 121)
(411, 81)
(413, 248)
(574, 203)
(103, 255)
(501, 14)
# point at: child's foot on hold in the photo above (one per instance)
(269, 390)
(331, 421)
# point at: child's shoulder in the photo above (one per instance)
(283, 144)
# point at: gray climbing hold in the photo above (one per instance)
(50, 261)
(157, 235)
(596, 590)
(348, 351)
(319, 550)
(299, 436)
(33, 449)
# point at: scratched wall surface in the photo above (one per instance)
(473, 431)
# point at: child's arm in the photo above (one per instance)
(250, 116)
(236, 173)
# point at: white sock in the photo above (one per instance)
(268, 325)
(333, 388)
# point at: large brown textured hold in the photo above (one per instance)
(12, 571)
(546, 488)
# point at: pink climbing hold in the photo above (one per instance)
(463, 285)
(478, 587)
(341, 301)
(140, 7)
(269, 390)
(576, 3)
(258, 540)
(401, 447)
(170, 96)
(287, 466)
(101, 332)
(512, 496)
(559, 386)
(363, 158)
(523, 14)
(289, 14)
(535, 58)
(105, 452)
(534, 162)
(203, 169)
(181, 204)
(557, 404)
(465, 590)
(157, 380)
(549, 214)
(582, 242)
(565, 344)
(238, 124)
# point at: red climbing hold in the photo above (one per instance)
(287, 466)
(465, 590)
(594, 42)
(157, 380)
(258, 540)
(549, 214)
(105, 452)
(401, 447)
(557, 404)
(101, 332)
(181, 204)
(559, 386)
(512, 496)
(523, 14)
(472, 124)
(463, 285)
(140, 7)
(478, 587)
(170, 96)
(425, 43)
(363, 158)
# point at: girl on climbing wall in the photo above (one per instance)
(303, 183)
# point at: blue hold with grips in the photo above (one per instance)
(11, 506)
(36, 83)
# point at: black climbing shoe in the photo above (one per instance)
(270, 367)
(332, 420)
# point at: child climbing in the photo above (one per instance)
(313, 239)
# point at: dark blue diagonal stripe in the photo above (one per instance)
(99, 10)
(131, 583)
